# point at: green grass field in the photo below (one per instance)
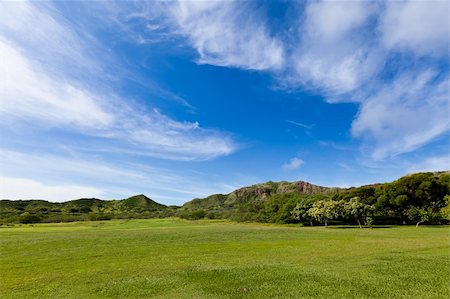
(172, 258)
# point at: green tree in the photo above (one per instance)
(324, 210)
(29, 218)
(300, 211)
(419, 215)
(198, 214)
(355, 209)
(445, 211)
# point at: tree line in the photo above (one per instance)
(412, 199)
(418, 198)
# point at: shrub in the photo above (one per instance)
(29, 218)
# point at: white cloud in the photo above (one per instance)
(52, 41)
(227, 34)
(301, 125)
(404, 115)
(342, 54)
(20, 188)
(419, 26)
(438, 163)
(224, 33)
(328, 21)
(167, 138)
(28, 91)
(333, 54)
(293, 164)
(38, 90)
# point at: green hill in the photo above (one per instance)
(29, 211)
(249, 203)
(418, 197)
(275, 202)
(140, 203)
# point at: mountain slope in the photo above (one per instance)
(274, 202)
(138, 206)
(141, 203)
(392, 202)
(247, 202)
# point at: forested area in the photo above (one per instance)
(412, 199)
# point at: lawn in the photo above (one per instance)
(173, 258)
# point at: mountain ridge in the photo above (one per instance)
(265, 202)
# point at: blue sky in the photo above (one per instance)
(179, 100)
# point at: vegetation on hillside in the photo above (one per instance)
(416, 198)
(34, 211)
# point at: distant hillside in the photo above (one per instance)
(275, 202)
(141, 203)
(244, 203)
(419, 197)
(138, 206)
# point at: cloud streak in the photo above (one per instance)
(405, 114)
(332, 54)
(436, 163)
(293, 164)
(301, 125)
(37, 90)
(224, 34)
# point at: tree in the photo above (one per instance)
(29, 218)
(300, 211)
(445, 211)
(324, 210)
(419, 215)
(196, 215)
(354, 208)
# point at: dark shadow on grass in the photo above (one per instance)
(357, 227)
(433, 225)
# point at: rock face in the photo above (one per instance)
(257, 191)
(271, 188)
(260, 193)
(307, 188)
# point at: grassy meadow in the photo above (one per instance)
(173, 258)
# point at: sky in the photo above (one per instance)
(183, 99)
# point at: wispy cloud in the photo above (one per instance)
(403, 105)
(345, 166)
(37, 89)
(332, 53)
(437, 163)
(301, 125)
(28, 91)
(225, 33)
(418, 26)
(405, 114)
(293, 164)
